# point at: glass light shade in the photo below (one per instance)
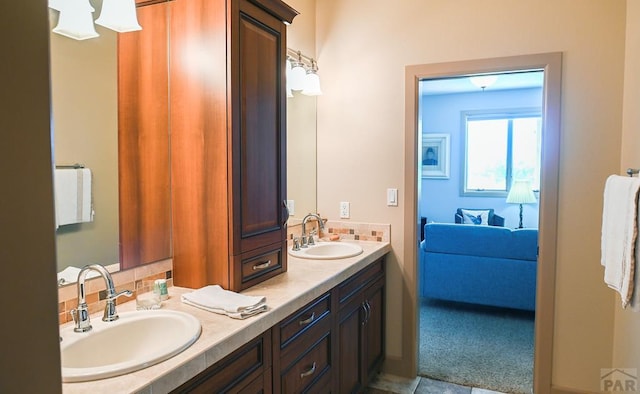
(119, 15)
(298, 75)
(288, 78)
(56, 4)
(75, 20)
(312, 84)
(521, 193)
(483, 81)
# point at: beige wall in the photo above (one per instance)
(626, 343)
(363, 47)
(30, 357)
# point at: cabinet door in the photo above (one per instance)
(373, 336)
(258, 128)
(143, 140)
(350, 321)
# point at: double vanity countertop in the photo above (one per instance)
(304, 281)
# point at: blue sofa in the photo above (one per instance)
(485, 265)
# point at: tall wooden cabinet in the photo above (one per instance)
(228, 140)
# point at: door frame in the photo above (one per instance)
(551, 64)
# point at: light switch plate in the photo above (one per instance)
(392, 197)
(291, 207)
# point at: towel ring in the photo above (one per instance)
(632, 171)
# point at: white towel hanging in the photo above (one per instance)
(73, 199)
(619, 234)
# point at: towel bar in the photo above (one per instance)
(76, 166)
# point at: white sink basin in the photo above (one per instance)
(136, 340)
(327, 251)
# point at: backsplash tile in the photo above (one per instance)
(123, 280)
(346, 230)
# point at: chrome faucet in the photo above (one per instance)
(81, 313)
(307, 239)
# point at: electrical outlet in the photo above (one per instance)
(344, 210)
(291, 207)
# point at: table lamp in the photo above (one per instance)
(521, 193)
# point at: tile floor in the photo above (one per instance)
(390, 384)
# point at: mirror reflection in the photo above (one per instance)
(84, 83)
(85, 120)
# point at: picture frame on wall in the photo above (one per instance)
(435, 156)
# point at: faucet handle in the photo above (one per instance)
(296, 244)
(110, 313)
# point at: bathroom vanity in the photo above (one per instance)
(323, 332)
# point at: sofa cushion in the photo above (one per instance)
(482, 241)
(475, 216)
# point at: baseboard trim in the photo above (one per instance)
(565, 390)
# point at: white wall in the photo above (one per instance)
(364, 46)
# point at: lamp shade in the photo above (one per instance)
(521, 193)
(75, 20)
(56, 4)
(298, 74)
(119, 15)
(312, 84)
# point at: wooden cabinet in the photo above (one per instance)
(143, 140)
(313, 350)
(360, 328)
(303, 361)
(246, 370)
(228, 148)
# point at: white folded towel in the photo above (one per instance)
(619, 234)
(214, 298)
(73, 196)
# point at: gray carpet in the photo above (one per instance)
(476, 346)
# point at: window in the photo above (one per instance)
(501, 147)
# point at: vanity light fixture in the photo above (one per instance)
(119, 15)
(75, 19)
(483, 81)
(297, 74)
(303, 75)
(312, 81)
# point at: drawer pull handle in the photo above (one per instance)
(261, 266)
(307, 321)
(308, 372)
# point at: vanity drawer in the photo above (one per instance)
(244, 368)
(350, 287)
(311, 372)
(305, 318)
(259, 265)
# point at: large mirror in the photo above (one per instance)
(85, 121)
(84, 83)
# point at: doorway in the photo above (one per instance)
(545, 270)
(477, 266)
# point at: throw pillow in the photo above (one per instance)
(480, 217)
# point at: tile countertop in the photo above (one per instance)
(303, 282)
